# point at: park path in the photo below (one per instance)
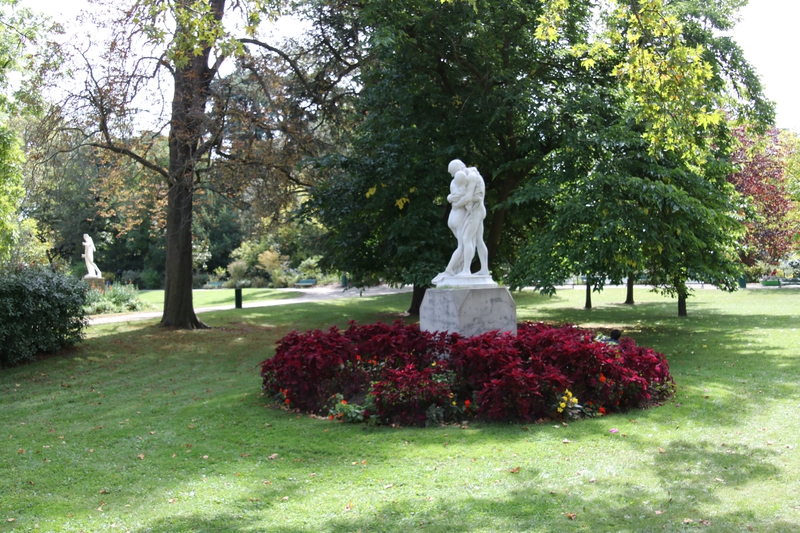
(318, 294)
(313, 294)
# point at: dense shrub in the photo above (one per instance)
(152, 279)
(118, 298)
(407, 376)
(40, 311)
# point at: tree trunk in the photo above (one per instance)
(192, 81)
(588, 304)
(629, 296)
(682, 304)
(178, 309)
(416, 299)
(506, 187)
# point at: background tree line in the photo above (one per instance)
(614, 149)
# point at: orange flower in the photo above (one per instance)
(602, 410)
(344, 402)
(602, 378)
(286, 401)
(467, 404)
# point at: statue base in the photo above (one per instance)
(469, 311)
(95, 283)
(467, 281)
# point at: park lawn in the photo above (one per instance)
(145, 430)
(215, 297)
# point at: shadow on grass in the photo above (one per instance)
(202, 387)
(612, 503)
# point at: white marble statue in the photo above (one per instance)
(467, 191)
(88, 256)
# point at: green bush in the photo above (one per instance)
(119, 298)
(40, 311)
(152, 279)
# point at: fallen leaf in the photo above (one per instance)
(688, 521)
(659, 512)
(719, 480)
(660, 450)
(245, 455)
(140, 456)
(389, 486)
(592, 480)
(348, 507)
(284, 498)
(273, 456)
(173, 500)
(705, 522)
(12, 520)
(205, 457)
(514, 470)
(572, 516)
(102, 491)
(769, 443)
(566, 441)
(20, 451)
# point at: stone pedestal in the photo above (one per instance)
(468, 311)
(96, 283)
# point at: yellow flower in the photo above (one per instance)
(574, 400)
(560, 410)
(454, 403)
(563, 405)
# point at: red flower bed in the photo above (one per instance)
(403, 375)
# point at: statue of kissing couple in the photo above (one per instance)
(467, 191)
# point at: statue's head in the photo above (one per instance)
(454, 166)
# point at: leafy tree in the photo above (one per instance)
(760, 178)
(21, 31)
(445, 81)
(180, 46)
(11, 191)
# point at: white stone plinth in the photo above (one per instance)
(95, 283)
(468, 311)
(468, 281)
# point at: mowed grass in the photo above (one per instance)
(215, 297)
(144, 430)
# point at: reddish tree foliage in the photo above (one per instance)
(761, 163)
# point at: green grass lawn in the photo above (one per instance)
(143, 430)
(214, 297)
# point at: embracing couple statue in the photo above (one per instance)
(467, 191)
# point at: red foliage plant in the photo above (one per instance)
(406, 374)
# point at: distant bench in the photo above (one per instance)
(791, 281)
(213, 285)
(310, 282)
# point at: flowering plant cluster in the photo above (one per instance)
(399, 374)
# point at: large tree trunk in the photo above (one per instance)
(683, 292)
(416, 299)
(187, 127)
(178, 309)
(498, 216)
(682, 304)
(588, 304)
(629, 295)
